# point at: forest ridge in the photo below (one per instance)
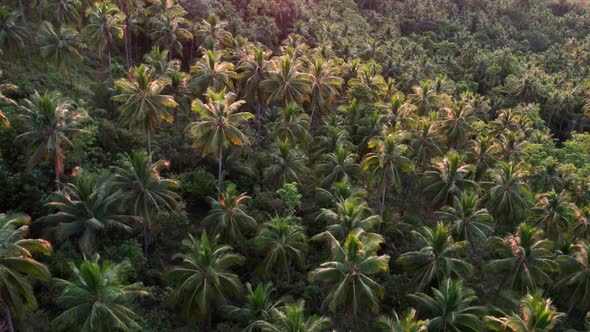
(294, 165)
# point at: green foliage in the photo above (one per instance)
(290, 196)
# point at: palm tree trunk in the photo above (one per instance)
(311, 117)
(146, 229)
(8, 316)
(220, 169)
(24, 19)
(110, 49)
(57, 167)
(258, 121)
(383, 194)
(149, 145)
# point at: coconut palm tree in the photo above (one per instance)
(62, 45)
(348, 215)
(287, 163)
(143, 104)
(526, 259)
(554, 214)
(455, 124)
(211, 72)
(12, 34)
(291, 318)
(536, 315)
(145, 189)
(168, 30)
(468, 221)
(286, 83)
(258, 307)
(219, 125)
(252, 70)
(105, 24)
(324, 85)
(87, 209)
(349, 275)
(228, 217)
(204, 279)
(337, 165)
(447, 179)
(408, 323)
(284, 243)
(387, 161)
(507, 195)
(291, 126)
(424, 141)
(17, 265)
(65, 11)
(575, 278)
(425, 98)
(53, 122)
(436, 260)
(450, 307)
(97, 297)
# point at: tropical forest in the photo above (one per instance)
(295, 165)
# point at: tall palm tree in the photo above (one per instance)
(145, 189)
(287, 163)
(211, 72)
(456, 124)
(337, 165)
(291, 126)
(87, 209)
(468, 221)
(204, 279)
(526, 259)
(219, 125)
(62, 45)
(324, 85)
(507, 194)
(286, 83)
(143, 104)
(105, 24)
(554, 214)
(536, 315)
(65, 11)
(575, 278)
(425, 98)
(53, 121)
(228, 217)
(450, 307)
(348, 215)
(212, 31)
(447, 179)
(258, 307)
(12, 34)
(387, 162)
(408, 323)
(17, 265)
(97, 297)
(291, 318)
(349, 275)
(424, 141)
(284, 243)
(168, 30)
(252, 71)
(436, 260)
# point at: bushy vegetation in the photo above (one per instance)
(294, 165)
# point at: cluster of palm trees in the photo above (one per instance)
(337, 126)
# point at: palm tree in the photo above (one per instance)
(468, 221)
(12, 34)
(167, 30)
(211, 72)
(291, 318)
(258, 307)
(424, 97)
(286, 84)
(436, 259)
(450, 307)
(291, 126)
(4, 122)
(507, 195)
(575, 278)
(526, 260)
(252, 71)
(456, 124)
(66, 11)
(204, 280)
(348, 215)
(105, 24)
(286, 165)
(348, 276)
(17, 264)
(144, 188)
(337, 165)
(219, 125)
(53, 121)
(61, 45)
(554, 214)
(87, 208)
(324, 85)
(447, 179)
(424, 141)
(227, 216)
(393, 323)
(284, 243)
(387, 162)
(536, 315)
(97, 297)
(211, 31)
(143, 104)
